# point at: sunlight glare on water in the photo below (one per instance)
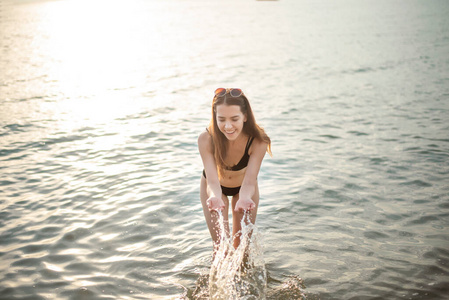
(81, 35)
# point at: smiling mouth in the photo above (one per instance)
(230, 132)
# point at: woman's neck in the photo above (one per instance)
(240, 139)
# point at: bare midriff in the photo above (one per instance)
(232, 178)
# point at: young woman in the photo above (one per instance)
(232, 150)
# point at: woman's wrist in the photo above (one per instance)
(245, 192)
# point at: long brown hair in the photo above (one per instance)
(250, 127)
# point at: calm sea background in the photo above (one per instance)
(101, 104)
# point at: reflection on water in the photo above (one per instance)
(101, 104)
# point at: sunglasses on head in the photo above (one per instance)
(220, 92)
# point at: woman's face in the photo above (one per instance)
(230, 120)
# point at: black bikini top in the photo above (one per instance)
(243, 163)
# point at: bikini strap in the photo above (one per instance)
(248, 144)
(207, 130)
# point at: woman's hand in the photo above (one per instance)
(244, 204)
(215, 203)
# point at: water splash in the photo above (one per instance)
(238, 273)
(241, 274)
(291, 289)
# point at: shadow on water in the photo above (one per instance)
(241, 273)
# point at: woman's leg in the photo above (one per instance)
(237, 216)
(212, 217)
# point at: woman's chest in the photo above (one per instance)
(234, 157)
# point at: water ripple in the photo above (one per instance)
(100, 170)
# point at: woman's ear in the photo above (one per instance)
(245, 118)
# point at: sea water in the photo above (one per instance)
(101, 105)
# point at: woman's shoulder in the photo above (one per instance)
(204, 139)
(204, 136)
(258, 145)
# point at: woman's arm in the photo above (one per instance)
(250, 180)
(213, 183)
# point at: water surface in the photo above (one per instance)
(101, 104)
